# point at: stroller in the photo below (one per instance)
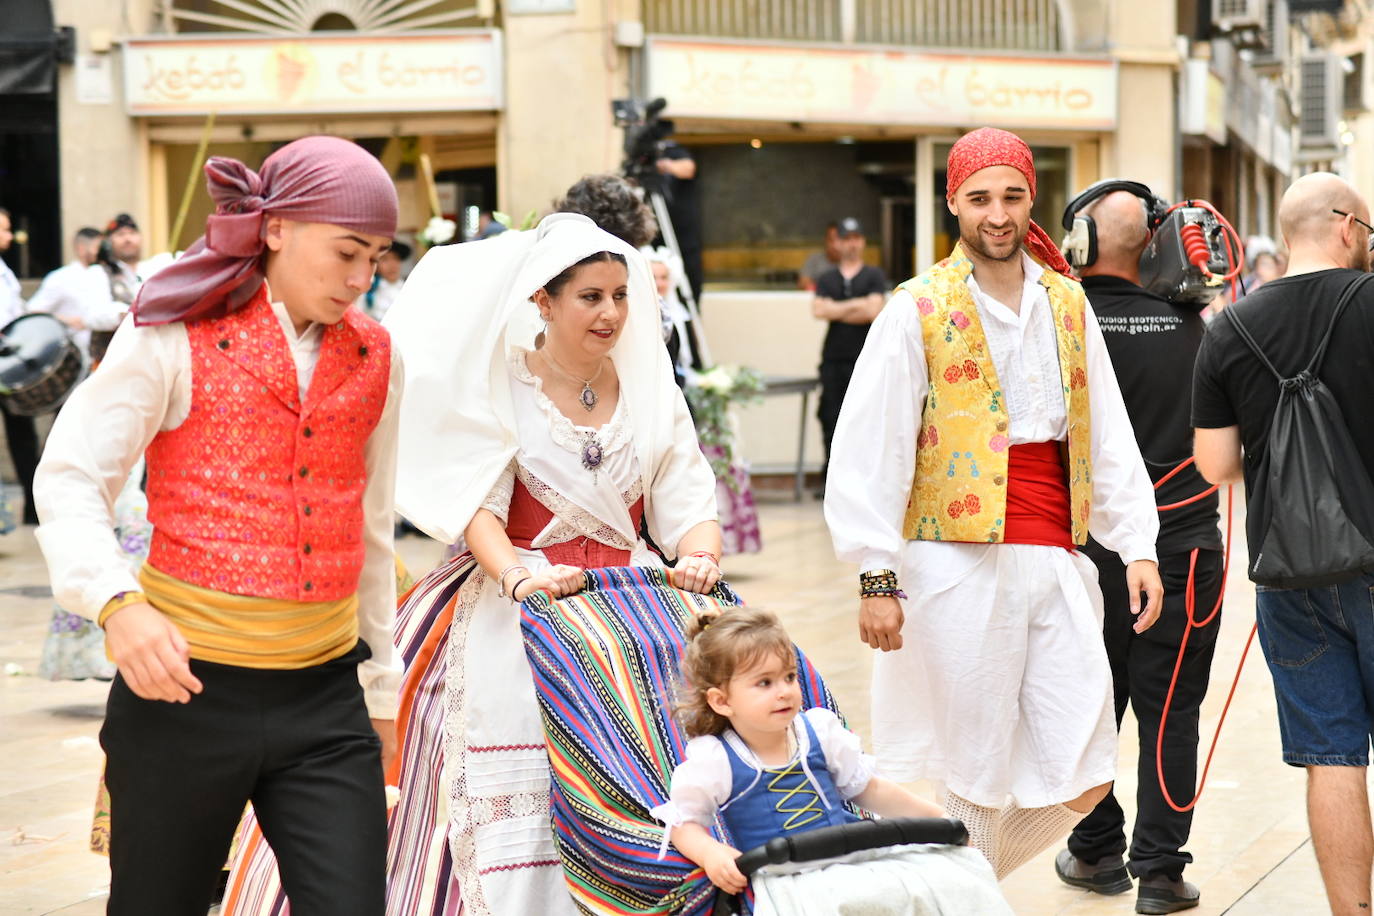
(605, 661)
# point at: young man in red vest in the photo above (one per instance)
(983, 436)
(255, 644)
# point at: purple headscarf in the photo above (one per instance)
(313, 180)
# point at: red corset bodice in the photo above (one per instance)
(528, 517)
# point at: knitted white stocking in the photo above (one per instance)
(1026, 832)
(984, 824)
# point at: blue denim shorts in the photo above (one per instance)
(1319, 643)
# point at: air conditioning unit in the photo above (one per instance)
(1270, 59)
(1320, 90)
(1241, 21)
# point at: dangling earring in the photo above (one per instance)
(542, 335)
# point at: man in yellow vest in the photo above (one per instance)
(982, 439)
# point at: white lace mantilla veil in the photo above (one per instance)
(460, 313)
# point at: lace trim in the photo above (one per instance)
(498, 500)
(573, 521)
(467, 812)
(614, 434)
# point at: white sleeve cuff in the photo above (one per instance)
(381, 690)
(1138, 550)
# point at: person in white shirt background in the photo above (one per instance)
(21, 433)
(386, 285)
(118, 264)
(73, 291)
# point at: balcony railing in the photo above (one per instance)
(1014, 25)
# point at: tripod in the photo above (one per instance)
(696, 334)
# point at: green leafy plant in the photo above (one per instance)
(712, 394)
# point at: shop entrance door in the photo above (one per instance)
(898, 224)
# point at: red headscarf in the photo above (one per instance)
(986, 147)
(314, 179)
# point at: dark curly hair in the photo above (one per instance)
(717, 647)
(614, 204)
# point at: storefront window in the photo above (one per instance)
(765, 207)
(1051, 195)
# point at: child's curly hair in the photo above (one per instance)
(717, 647)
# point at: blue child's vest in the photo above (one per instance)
(775, 801)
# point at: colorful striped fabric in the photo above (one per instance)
(605, 665)
(420, 879)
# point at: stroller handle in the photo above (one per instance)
(842, 839)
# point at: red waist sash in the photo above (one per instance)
(1038, 496)
(528, 517)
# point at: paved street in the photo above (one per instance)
(1253, 854)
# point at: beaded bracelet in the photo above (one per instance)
(715, 561)
(879, 583)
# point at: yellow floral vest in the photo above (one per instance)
(959, 492)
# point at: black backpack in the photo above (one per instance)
(1313, 476)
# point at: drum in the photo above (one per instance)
(40, 364)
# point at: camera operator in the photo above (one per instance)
(1153, 344)
(679, 183)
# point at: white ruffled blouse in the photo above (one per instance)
(701, 783)
(585, 503)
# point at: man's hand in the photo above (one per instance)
(386, 730)
(880, 622)
(1143, 576)
(151, 653)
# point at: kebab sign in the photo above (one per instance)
(436, 71)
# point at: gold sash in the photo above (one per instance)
(252, 632)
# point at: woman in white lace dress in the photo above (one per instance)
(540, 423)
(559, 438)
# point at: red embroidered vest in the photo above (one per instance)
(256, 493)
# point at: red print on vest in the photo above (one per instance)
(256, 493)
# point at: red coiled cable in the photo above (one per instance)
(1190, 605)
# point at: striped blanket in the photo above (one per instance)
(605, 663)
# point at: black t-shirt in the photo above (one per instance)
(680, 194)
(1153, 344)
(1287, 317)
(843, 342)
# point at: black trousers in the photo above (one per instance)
(298, 744)
(835, 376)
(1142, 665)
(21, 434)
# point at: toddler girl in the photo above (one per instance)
(766, 769)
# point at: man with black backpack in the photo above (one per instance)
(1280, 393)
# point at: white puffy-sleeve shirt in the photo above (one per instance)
(701, 783)
(873, 458)
(143, 387)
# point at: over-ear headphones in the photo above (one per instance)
(1080, 245)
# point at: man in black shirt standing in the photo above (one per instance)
(1153, 344)
(849, 296)
(1319, 642)
(679, 184)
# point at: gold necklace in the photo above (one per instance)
(587, 398)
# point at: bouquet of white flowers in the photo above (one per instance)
(712, 394)
(438, 231)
